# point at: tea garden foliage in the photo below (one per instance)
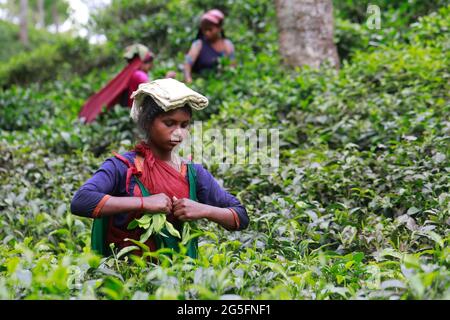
(9, 35)
(358, 208)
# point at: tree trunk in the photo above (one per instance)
(306, 32)
(24, 21)
(55, 16)
(41, 14)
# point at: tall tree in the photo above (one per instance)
(24, 21)
(55, 15)
(41, 13)
(56, 12)
(306, 32)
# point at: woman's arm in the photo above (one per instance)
(188, 210)
(106, 181)
(155, 203)
(229, 50)
(190, 59)
(95, 198)
(214, 204)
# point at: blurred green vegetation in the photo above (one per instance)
(358, 209)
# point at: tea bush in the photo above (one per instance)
(9, 35)
(358, 208)
(63, 59)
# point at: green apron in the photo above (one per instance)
(100, 225)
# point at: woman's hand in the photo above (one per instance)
(171, 74)
(188, 210)
(158, 203)
(188, 79)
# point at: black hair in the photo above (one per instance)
(147, 60)
(129, 60)
(200, 33)
(150, 110)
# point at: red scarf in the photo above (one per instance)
(110, 94)
(159, 177)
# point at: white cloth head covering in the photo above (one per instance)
(137, 49)
(169, 94)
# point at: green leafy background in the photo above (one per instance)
(358, 209)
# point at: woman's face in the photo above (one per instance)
(169, 129)
(146, 67)
(210, 31)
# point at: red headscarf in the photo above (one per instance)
(110, 94)
(215, 16)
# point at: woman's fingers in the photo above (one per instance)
(184, 217)
(158, 202)
(179, 207)
(181, 203)
(178, 212)
(169, 205)
(174, 201)
(165, 203)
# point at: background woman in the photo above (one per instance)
(211, 44)
(118, 90)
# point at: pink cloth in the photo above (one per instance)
(110, 94)
(215, 16)
(137, 78)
